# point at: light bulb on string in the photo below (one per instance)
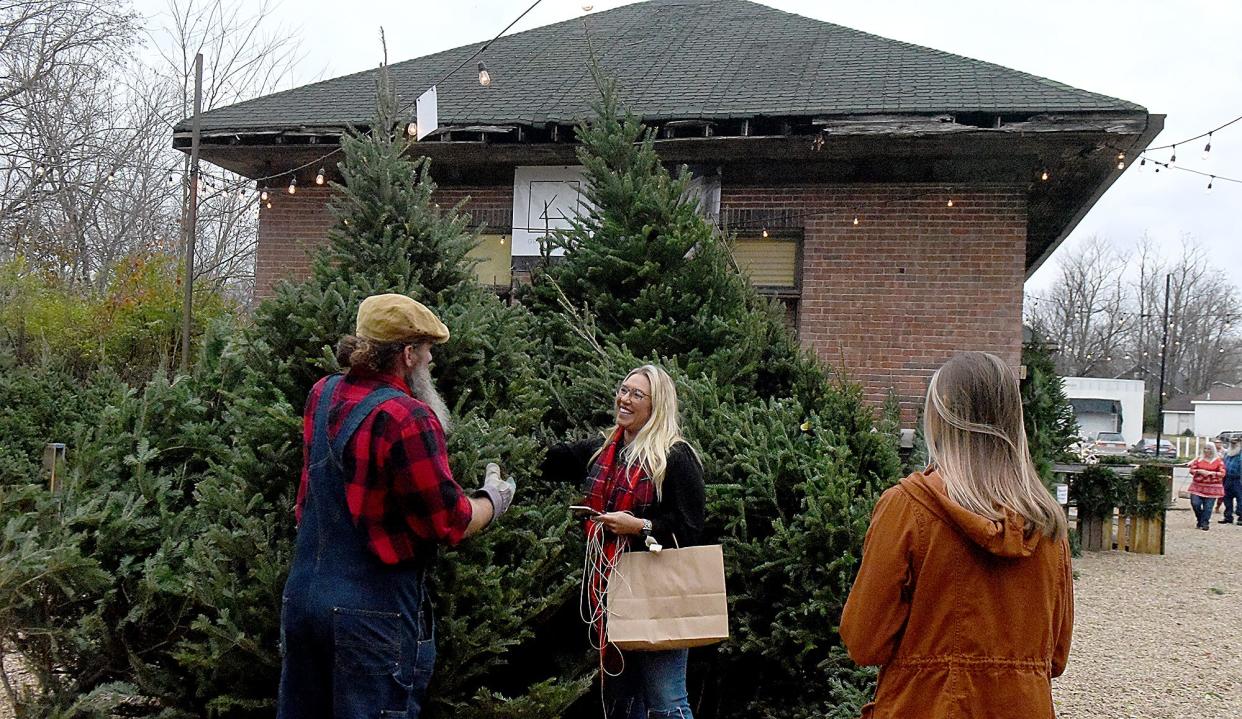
(1172, 157)
(269, 204)
(949, 203)
(293, 185)
(263, 194)
(485, 77)
(412, 128)
(1142, 163)
(319, 178)
(855, 220)
(1207, 149)
(765, 233)
(1044, 175)
(1211, 178)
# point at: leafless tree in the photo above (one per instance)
(87, 171)
(1104, 313)
(1085, 312)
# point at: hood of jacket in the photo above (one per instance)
(1004, 538)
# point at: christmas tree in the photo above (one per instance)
(793, 458)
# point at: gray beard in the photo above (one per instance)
(424, 388)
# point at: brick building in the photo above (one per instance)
(894, 197)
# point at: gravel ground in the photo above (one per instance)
(1149, 639)
(1157, 636)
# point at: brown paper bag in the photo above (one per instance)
(668, 600)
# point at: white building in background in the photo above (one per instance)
(1206, 415)
(1107, 405)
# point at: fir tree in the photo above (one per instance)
(1051, 427)
(793, 458)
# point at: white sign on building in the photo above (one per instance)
(544, 199)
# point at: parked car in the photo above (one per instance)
(1224, 438)
(1110, 444)
(1147, 447)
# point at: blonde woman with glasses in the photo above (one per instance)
(641, 480)
(965, 595)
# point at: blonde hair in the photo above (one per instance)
(654, 439)
(976, 439)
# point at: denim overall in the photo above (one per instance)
(357, 636)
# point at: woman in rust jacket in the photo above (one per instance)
(965, 595)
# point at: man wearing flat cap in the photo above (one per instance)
(376, 499)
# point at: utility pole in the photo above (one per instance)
(1164, 350)
(191, 215)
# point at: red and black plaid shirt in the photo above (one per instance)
(398, 485)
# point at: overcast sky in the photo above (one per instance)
(1181, 59)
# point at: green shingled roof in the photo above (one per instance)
(680, 59)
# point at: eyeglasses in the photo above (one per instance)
(636, 394)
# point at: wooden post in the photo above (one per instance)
(53, 464)
(191, 215)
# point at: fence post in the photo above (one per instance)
(53, 464)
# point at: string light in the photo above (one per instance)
(765, 233)
(269, 204)
(319, 180)
(855, 220)
(1173, 157)
(949, 203)
(1044, 175)
(412, 128)
(1209, 187)
(263, 196)
(293, 185)
(485, 77)
(1207, 149)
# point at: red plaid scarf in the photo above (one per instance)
(613, 487)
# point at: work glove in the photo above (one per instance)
(499, 491)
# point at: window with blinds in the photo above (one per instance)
(770, 263)
(495, 267)
(773, 266)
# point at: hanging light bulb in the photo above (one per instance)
(855, 220)
(293, 185)
(485, 77)
(1211, 178)
(949, 203)
(1207, 149)
(1142, 163)
(1173, 157)
(1044, 175)
(1121, 164)
(412, 128)
(319, 179)
(765, 233)
(263, 194)
(269, 204)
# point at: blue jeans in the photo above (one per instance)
(653, 684)
(1233, 495)
(1202, 507)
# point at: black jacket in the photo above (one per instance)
(678, 513)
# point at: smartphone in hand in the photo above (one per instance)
(583, 511)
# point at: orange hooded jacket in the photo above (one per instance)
(965, 616)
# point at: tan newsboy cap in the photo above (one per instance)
(397, 318)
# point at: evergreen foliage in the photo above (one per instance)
(792, 456)
(151, 586)
(1051, 427)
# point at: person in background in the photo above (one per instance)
(1233, 482)
(965, 596)
(1207, 475)
(375, 501)
(644, 481)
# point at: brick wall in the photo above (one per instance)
(893, 297)
(295, 225)
(889, 299)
